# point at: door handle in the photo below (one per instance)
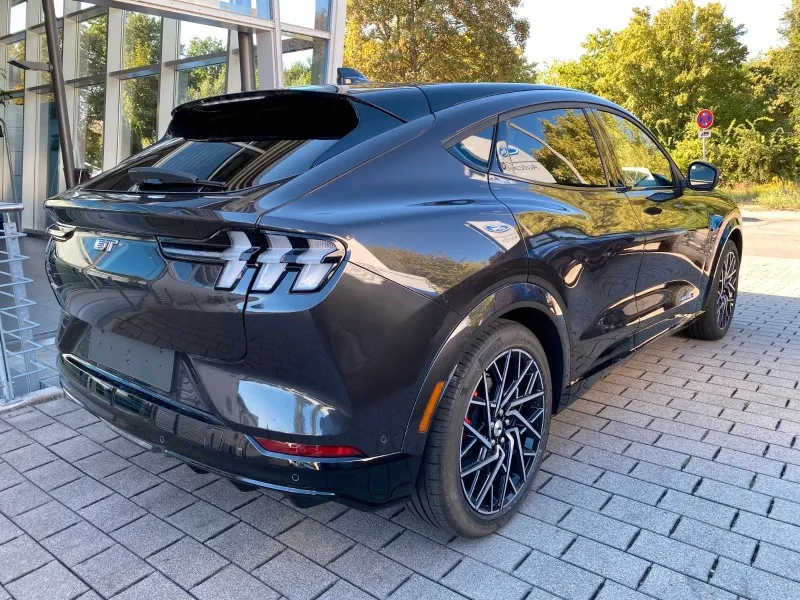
(653, 210)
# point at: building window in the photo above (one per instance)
(256, 8)
(15, 77)
(314, 14)
(17, 10)
(92, 46)
(199, 40)
(49, 177)
(13, 116)
(58, 5)
(304, 60)
(142, 45)
(200, 82)
(44, 54)
(89, 128)
(139, 109)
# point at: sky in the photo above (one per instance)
(558, 28)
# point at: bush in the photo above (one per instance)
(743, 152)
(779, 195)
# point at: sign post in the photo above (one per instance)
(705, 119)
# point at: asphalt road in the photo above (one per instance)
(771, 233)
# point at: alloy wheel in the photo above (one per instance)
(726, 289)
(502, 431)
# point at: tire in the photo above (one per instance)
(439, 497)
(716, 319)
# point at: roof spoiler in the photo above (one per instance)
(295, 114)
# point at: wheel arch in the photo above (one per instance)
(528, 304)
(732, 231)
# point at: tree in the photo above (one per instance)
(140, 95)
(298, 74)
(142, 40)
(204, 81)
(665, 66)
(437, 40)
(91, 106)
(784, 63)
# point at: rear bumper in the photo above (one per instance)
(202, 440)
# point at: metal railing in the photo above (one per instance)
(19, 369)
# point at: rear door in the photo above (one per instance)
(581, 232)
(675, 225)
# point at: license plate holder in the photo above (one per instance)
(143, 362)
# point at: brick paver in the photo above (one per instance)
(677, 476)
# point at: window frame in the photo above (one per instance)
(677, 177)
(545, 107)
(462, 134)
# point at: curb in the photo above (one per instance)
(37, 397)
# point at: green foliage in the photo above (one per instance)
(92, 61)
(437, 40)
(779, 195)
(782, 196)
(142, 40)
(203, 81)
(744, 152)
(140, 96)
(298, 74)
(665, 66)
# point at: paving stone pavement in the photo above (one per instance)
(676, 476)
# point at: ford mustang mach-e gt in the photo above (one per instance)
(380, 294)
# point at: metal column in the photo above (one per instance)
(247, 66)
(64, 131)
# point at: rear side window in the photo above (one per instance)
(237, 159)
(552, 146)
(475, 150)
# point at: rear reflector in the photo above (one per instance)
(308, 450)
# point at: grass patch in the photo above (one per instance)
(774, 196)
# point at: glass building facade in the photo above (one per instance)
(127, 66)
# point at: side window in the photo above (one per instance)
(552, 146)
(475, 149)
(642, 163)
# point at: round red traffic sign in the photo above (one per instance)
(705, 119)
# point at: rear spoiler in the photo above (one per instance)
(294, 114)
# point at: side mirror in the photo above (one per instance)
(702, 176)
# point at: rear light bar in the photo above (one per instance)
(235, 255)
(308, 450)
(313, 259)
(316, 258)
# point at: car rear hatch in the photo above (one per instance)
(161, 249)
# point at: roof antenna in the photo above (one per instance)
(346, 76)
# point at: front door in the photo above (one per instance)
(581, 232)
(675, 222)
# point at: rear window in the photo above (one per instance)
(219, 153)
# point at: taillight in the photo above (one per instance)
(231, 248)
(315, 258)
(312, 260)
(308, 450)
